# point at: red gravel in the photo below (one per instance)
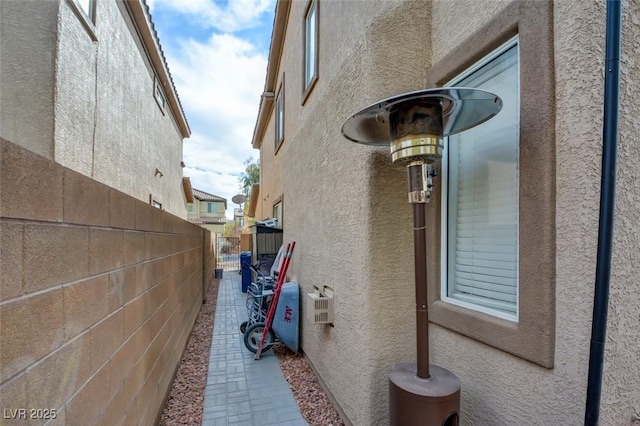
(185, 403)
(186, 400)
(313, 402)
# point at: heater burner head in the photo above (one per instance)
(461, 108)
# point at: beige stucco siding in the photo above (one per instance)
(108, 124)
(27, 43)
(345, 206)
(76, 106)
(621, 382)
(501, 389)
(83, 95)
(271, 183)
(343, 202)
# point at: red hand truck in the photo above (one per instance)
(274, 302)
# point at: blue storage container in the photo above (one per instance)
(245, 261)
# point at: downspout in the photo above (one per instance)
(607, 207)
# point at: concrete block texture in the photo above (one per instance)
(84, 304)
(95, 308)
(122, 210)
(85, 201)
(32, 327)
(27, 177)
(54, 255)
(11, 235)
(106, 250)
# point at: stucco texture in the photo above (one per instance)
(83, 95)
(621, 377)
(345, 206)
(27, 43)
(105, 103)
(501, 389)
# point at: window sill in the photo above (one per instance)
(84, 19)
(532, 337)
(307, 91)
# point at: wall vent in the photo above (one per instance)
(320, 306)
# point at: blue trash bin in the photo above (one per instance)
(245, 261)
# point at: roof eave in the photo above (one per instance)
(188, 190)
(273, 65)
(253, 201)
(139, 12)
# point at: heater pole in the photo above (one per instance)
(413, 124)
(422, 307)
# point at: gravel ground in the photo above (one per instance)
(185, 402)
(314, 404)
(184, 406)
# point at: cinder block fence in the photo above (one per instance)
(99, 293)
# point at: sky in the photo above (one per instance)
(216, 51)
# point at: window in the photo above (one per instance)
(85, 11)
(155, 201)
(514, 49)
(480, 191)
(310, 66)
(159, 95)
(87, 7)
(212, 208)
(280, 116)
(277, 214)
(190, 207)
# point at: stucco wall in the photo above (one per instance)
(544, 396)
(98, 295)
(346, 209)
(27, 62)
(271, 180)
(621, 381)
(343, 202)
(88, 104)
(107, 87)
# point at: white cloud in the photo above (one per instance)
(219, 77)
(236, 15)
(220, 80)
(219, 83)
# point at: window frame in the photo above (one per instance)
(533, 336)
(87, 18)
(444, 284)
(157, 90)
(278, 204)
(155, 201)
(279, 121)
(307, 86)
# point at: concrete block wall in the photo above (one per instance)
(98, 295)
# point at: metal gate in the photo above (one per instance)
(228, 253)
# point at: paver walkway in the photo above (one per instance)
(240, 390)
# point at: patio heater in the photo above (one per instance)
(413, 124)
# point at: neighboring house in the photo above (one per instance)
(521, 354)
(208, 211)
(85, 83)
(238, 217)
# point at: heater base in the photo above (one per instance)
(414, 401)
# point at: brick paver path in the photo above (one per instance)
(240, 390)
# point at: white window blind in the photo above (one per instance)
(280, 117)
(481, 208)
(310, 45)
